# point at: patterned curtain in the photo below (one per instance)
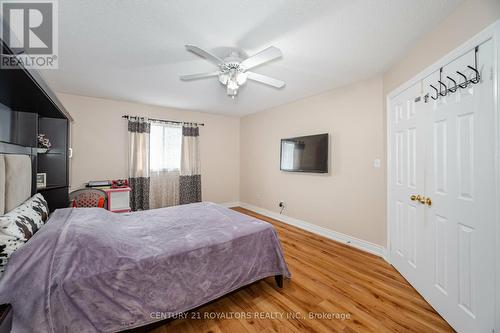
(138, 172)
(190, 177)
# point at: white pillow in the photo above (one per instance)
(20, 224)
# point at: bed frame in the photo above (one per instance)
(17, 175)
(279, 280)
(25, 158)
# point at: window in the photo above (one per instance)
(165, 147)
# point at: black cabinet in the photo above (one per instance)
(21, 129)
(56, 197)
(26, 110)
(54, 162)
(18, 127)
(21, 92)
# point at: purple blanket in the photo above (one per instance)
(90, 270)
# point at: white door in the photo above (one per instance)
(408, 163)
(460, 180)
(445, 247)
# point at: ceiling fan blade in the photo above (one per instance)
(190, 77)
(263, 56)
(265, 79)
(204, 54)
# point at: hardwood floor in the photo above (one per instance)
(345, 289)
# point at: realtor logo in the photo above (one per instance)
(29, 29)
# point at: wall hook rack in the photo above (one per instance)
(441, 84)
(455, 87)
(437, 92)
(477, 78)
(465, 83)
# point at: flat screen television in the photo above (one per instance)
(305, 154)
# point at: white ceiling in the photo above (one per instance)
(134, 49)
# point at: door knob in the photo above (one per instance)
(423, 200)
(418, 198)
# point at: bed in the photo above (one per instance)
(89, 270)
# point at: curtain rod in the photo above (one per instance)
(164, 121)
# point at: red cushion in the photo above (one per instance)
(100, 203)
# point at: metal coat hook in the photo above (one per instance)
(465, 83)
(477, 79)
(437, 92)
(455, 87)
(445, 89)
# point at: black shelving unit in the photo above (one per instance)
(28, 108)
(54, 162)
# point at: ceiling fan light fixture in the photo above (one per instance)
(241, 78)
(231, 92)
(232, 71)
(232, 84)
(223, 78)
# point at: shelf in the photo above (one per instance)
(51, 152)
(50, 187)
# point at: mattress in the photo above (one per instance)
(90, 270)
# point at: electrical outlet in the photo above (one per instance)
(281, 205)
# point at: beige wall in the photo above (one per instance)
(467, 20)
(99, 142)
(350, 199)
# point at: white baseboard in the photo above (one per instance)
(231, 204)
(336, 236)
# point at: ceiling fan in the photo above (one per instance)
(234, 71)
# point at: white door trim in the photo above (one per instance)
(496, 96)
(491, 32)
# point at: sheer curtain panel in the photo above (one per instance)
(165, 164)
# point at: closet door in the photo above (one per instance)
(460, 181)
(407, 183)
